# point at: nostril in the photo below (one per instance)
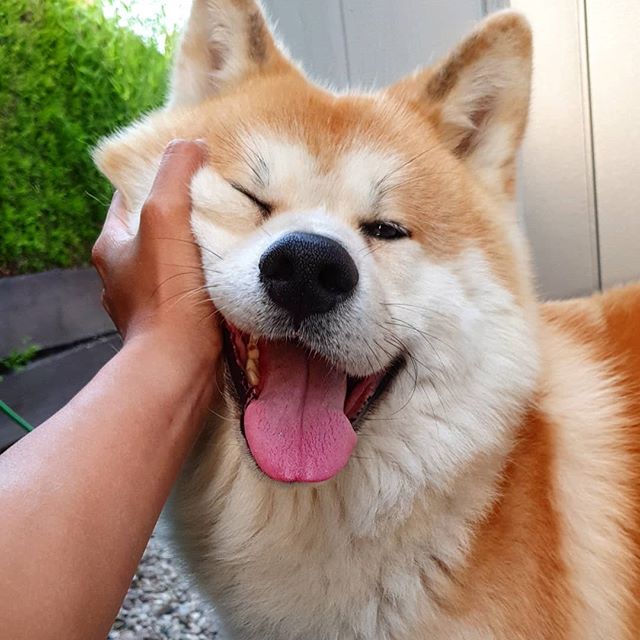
(336, 279)
(277, 266)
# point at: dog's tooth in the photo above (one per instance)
(251, 368)
(252, 347)
(252, 377)
(253, 353)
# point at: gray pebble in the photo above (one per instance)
(161, 603)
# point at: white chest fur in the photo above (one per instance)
(314, 562)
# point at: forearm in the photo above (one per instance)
(80, 496)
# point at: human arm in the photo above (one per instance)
(79, 496)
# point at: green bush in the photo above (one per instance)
(68, 75)
(18, 359)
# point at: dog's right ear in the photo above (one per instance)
(224, 43)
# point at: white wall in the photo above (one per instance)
(388, 39)
(370, 42)
(557, 176)
(614, 63)
(313, 32)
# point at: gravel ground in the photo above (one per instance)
(161, 603)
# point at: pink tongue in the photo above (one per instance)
(296, 429)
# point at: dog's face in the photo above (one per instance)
(361, 250)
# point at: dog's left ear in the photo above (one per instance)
(477, 99)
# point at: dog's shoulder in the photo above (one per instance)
(609, 323)
(591, 400)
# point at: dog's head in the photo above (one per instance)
(362, 250)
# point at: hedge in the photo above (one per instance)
(68, 75)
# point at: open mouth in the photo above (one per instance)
(300, 413)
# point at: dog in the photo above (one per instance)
(408, 444)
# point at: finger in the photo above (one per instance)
(117, 212)
(105, 302)
(114, 231)
(115, 227)
(170, 198)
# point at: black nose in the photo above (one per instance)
(307, 274)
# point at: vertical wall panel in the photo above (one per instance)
(495, 5)
(386, 40)
(313, 33)
(614, 57)
(557, 175)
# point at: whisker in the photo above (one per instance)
(371, 250)
(194, 268)
(410, 161)
(195, 244)
(100, 201)
(430, 310)
(172, 277)
(427, 336)
(217, 415)
(185, 294)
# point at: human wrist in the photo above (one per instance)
(184, 346)
(183, 362)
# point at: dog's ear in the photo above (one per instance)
(224, 43)
(477, 99)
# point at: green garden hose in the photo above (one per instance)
(19, 420)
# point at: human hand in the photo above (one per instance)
(153, 280)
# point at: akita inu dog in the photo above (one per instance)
(410, 445)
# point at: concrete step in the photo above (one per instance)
(46, 385)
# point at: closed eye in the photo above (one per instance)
(265, 208)
(384, 230)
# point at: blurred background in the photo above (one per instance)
(73, 70)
